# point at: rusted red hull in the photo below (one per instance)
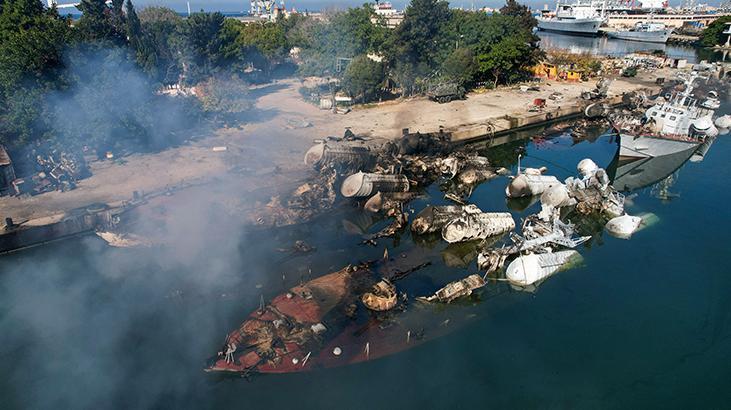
(356, 336)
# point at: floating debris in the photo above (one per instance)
(362, 184)
(529, 269)
(382, 297)
(623, 226)
(529, 184)
(434, 218)
(455, 290)
(124, 240)
(478, 226)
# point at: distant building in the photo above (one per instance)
(385, 11)
(7, 172)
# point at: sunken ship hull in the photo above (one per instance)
(323, 324)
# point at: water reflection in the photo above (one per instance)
(611, 47)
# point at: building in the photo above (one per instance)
(7, 172)
(670, 20)
(390, 16)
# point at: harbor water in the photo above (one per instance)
(644, 322)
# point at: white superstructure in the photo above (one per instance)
(675, 125)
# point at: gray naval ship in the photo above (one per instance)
(675, 124)
(645, 32)
(582, 18)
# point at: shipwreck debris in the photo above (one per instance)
(477, 226)
(381, 297)
(363, 184)
(434, 218)
(455, 290)
(623, 226)
(528, 269)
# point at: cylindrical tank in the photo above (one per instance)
(478, 226)
(362, 184)
(338, 153)
(529, 185)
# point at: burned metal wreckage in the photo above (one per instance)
(357, 313)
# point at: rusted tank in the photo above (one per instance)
(478, 226)
(362, 184)
(434, 218)
(339, 154)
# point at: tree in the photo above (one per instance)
(521, 12)
(100, 23)
(364, 78)
(201, 40)
(713, 34)
(418, 46)
(505, 61)
(32, 41)
(460, 66)
(158, 55)
(343, 35)
(134, 27)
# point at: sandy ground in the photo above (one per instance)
(268, 152)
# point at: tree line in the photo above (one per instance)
(96, 81)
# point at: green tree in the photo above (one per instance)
(713, 34)
(344, 34)
(505, 61)
(158, 55)
(460, 66)
(364, 78)
(100, 24)
(521, 12)
(134, 27)
(201, 41)
(32, 41)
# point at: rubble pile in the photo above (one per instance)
(55, 171)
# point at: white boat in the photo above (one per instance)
(677, 124)
(645, 32)
(579, 18)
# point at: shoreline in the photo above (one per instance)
(278, 157)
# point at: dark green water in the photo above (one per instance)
(644, 322)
